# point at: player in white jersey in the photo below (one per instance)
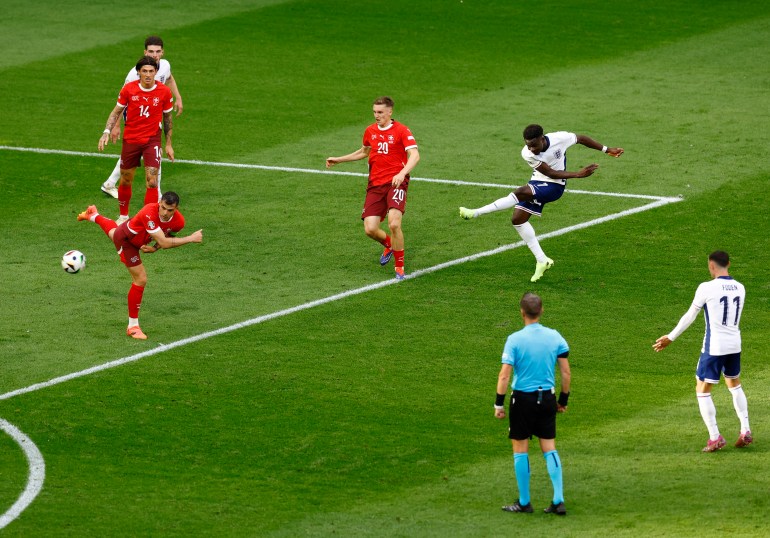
(547, 155)
(153, 47)
(722, 302)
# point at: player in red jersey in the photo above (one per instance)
(393, 157)
(154, 222)
(148, 106)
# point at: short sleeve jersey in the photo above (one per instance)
(555, 156)
(144, 110)
(388, 151)
(722, 302)
(147, 223)
(533, 352)
(163, 74)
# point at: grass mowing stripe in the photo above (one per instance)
(329, 172)
(36, 472)
(260, 319)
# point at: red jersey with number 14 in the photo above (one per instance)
(388, 151)
(147, 223)
(145, 108)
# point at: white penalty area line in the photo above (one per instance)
(328, 172)
(36, 477)
(162, 348)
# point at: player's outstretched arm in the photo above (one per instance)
(173, 242)
(589, 142)
(361, 153)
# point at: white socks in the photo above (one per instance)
(114, 177)
(741, 407)
(498, 205)
(527, 233)
(709, 413)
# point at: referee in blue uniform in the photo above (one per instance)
(532, 354)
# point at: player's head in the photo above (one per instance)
(382, 108)
(167, 205)
(153, 47)
(534, 138)
(146, 68)
(531, 306)
(719, 260)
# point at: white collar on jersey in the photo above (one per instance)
(386, 128)
(147, 89)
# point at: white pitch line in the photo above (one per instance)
(36, 477)
(267, 317)
(329, 172)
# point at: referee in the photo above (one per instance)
(532, 354)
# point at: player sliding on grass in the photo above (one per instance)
(547, 155)
(153, 222)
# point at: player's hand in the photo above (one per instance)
(115, 133)
(588, 170)
(148, 249)
(331, 161)
(196, 237)
(499, 413)
(105, 138)
(178, 106)
(398, 179)
(561, 408)
(615, 152)
(661, 343)
(170, 152)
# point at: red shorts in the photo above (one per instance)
(129, 253)
(381, 198)
(130, 154)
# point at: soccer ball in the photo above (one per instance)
(73, 261)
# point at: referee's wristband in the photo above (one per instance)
(604, 149)
(563, 398)
(499, 401)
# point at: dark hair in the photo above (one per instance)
(146, 60)
(531, 305)
(720, 257)
(532, 131)
(170, 197)
(153, 40)
(384, 100)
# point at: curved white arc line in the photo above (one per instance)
(36, 472)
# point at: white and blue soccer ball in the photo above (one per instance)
(73, 261)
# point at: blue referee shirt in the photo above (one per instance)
(533, 352)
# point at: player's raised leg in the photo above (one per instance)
(500, 204)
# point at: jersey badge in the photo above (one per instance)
(557, 154)
(155, 101)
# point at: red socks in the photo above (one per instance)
(386, 242)
(124, 198)
(105, 224)
(134, 300)
(151, 196)
(398, 256)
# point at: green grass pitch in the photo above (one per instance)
(371, 415)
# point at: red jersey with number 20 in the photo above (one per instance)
(144, 116)
(388, 151)
(147, 223)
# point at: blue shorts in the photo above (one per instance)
(710, 367)
(544, 192)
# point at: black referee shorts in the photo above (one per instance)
(532, 413)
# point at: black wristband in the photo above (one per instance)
(499, 400)
(563, 398)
